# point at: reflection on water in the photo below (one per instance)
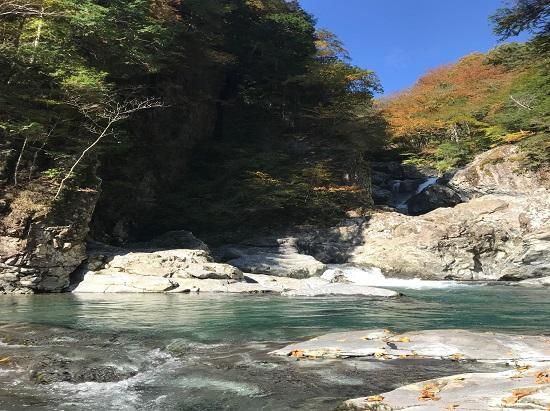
(202, 352)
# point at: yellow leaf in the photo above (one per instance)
(456, 357)
(375, 398)
(428, 393)
(542, 377)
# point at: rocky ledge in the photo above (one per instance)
(183, 270)
(439, 344)
(525, 386)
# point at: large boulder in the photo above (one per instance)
(43, 241)
(488, 238)
(499, 171)
(434, 196)
(278, 257)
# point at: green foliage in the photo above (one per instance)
(537, 151)
(522, 15)
(457, 111)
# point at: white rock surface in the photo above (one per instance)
(438, 344)
(109, 282)
(341, 290)
(519, 389)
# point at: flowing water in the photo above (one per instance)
(210, 352)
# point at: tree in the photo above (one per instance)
(102, 117)
(524, 15)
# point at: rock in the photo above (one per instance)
(341, 290)
(381, 195)
(536, 282)
(436, 344)
(336, 276)
(43, 237)
(119, 282)
(282, 260)
(520, 389)
(171, 240)
(172, 264)
(434, 196)
(498, 171)
(155, 271)
(333, 245)
(488, 238)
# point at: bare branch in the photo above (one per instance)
(17, 8)
(19, 159)
(110, 111)
(524, 104)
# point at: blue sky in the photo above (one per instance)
(401, 39)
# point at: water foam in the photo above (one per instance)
(373, 277)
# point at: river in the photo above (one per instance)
(210, 352)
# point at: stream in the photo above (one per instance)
(210, 352)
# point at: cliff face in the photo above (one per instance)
(154, 158)
(42, 242)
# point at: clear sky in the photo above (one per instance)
(401, 39)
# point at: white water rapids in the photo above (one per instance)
(375, 278)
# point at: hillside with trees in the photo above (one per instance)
(459, 110)
(122, 91)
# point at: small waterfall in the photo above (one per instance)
(429, 182)
(403, 198)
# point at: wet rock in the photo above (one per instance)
(439, 344)
(434, 196)
(536, 282)
(340, 290)
(118, 282)
(520, 389)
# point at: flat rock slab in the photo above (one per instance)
(439, 344)
(519, 389)
(342, 290)
(124, 283)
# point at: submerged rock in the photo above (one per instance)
(438, 344)
(519, 389)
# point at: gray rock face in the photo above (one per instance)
(498, 171)
(42, 244)
(519, 389)
(282, 259)
(435, 196)
(488, 238)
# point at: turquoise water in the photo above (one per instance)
(210, 352)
